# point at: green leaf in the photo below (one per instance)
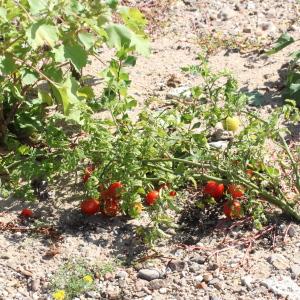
(45, 97)
(255, 98)
(40, 34)
(141, 44)
(120, 36)
(77, 55)
(112, 3)
(87, 39)
(7, 64)
(36, 6)
(133, 19)
(66, 94)
(86, 92)
(283, 41)
(3, 14)
(28, 77)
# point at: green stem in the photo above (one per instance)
(264, 194)
(293, 162)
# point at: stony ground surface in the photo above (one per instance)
(270, 270)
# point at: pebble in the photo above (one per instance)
(156, 284)
(247, 281)
(292, 231)
(35, 284)
(198, 279)
(148, 274)
(121, 274)
(194, 267)
(226, 13)
(295, 270)
(163, 290)
(199, 259)
(207, 277)
(278, 261)
(177, 265)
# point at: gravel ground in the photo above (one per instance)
(270, 269)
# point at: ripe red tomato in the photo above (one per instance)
(27, 213)
(90, 206)
(172, 193)
(114, 188)
(151, 197)
(232, 209)
(214, 189)
(236, 191)
(111, 207)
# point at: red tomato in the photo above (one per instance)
(115, 187)
(111, 207)
(214, 189)
(232, 209)
(27, 213)
(236, 191)
(90, 206)
(151, 197)
(172, 193)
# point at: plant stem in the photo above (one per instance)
(285, 207)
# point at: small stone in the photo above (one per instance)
(198, 279)
(292, 231)
(217, 284)
(113, 293)
(108, 277)
(194, 267)
(156, 284)
(148, 274)
(247, 29)
(251, 5)
(226, 14)
(177, 265)
(207, 277)
(163, 290)
(5, 256)
(295, 269)
(121, 274)
(247, 281)
(278, 261)
(199, 259)
(140, 284)
(35, 284)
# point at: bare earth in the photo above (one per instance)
(241, 30)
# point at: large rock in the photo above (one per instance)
(283, 287)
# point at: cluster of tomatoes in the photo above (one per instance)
(232, 207)
(109, 201)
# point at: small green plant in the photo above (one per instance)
(292, 80)
(71, 280)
